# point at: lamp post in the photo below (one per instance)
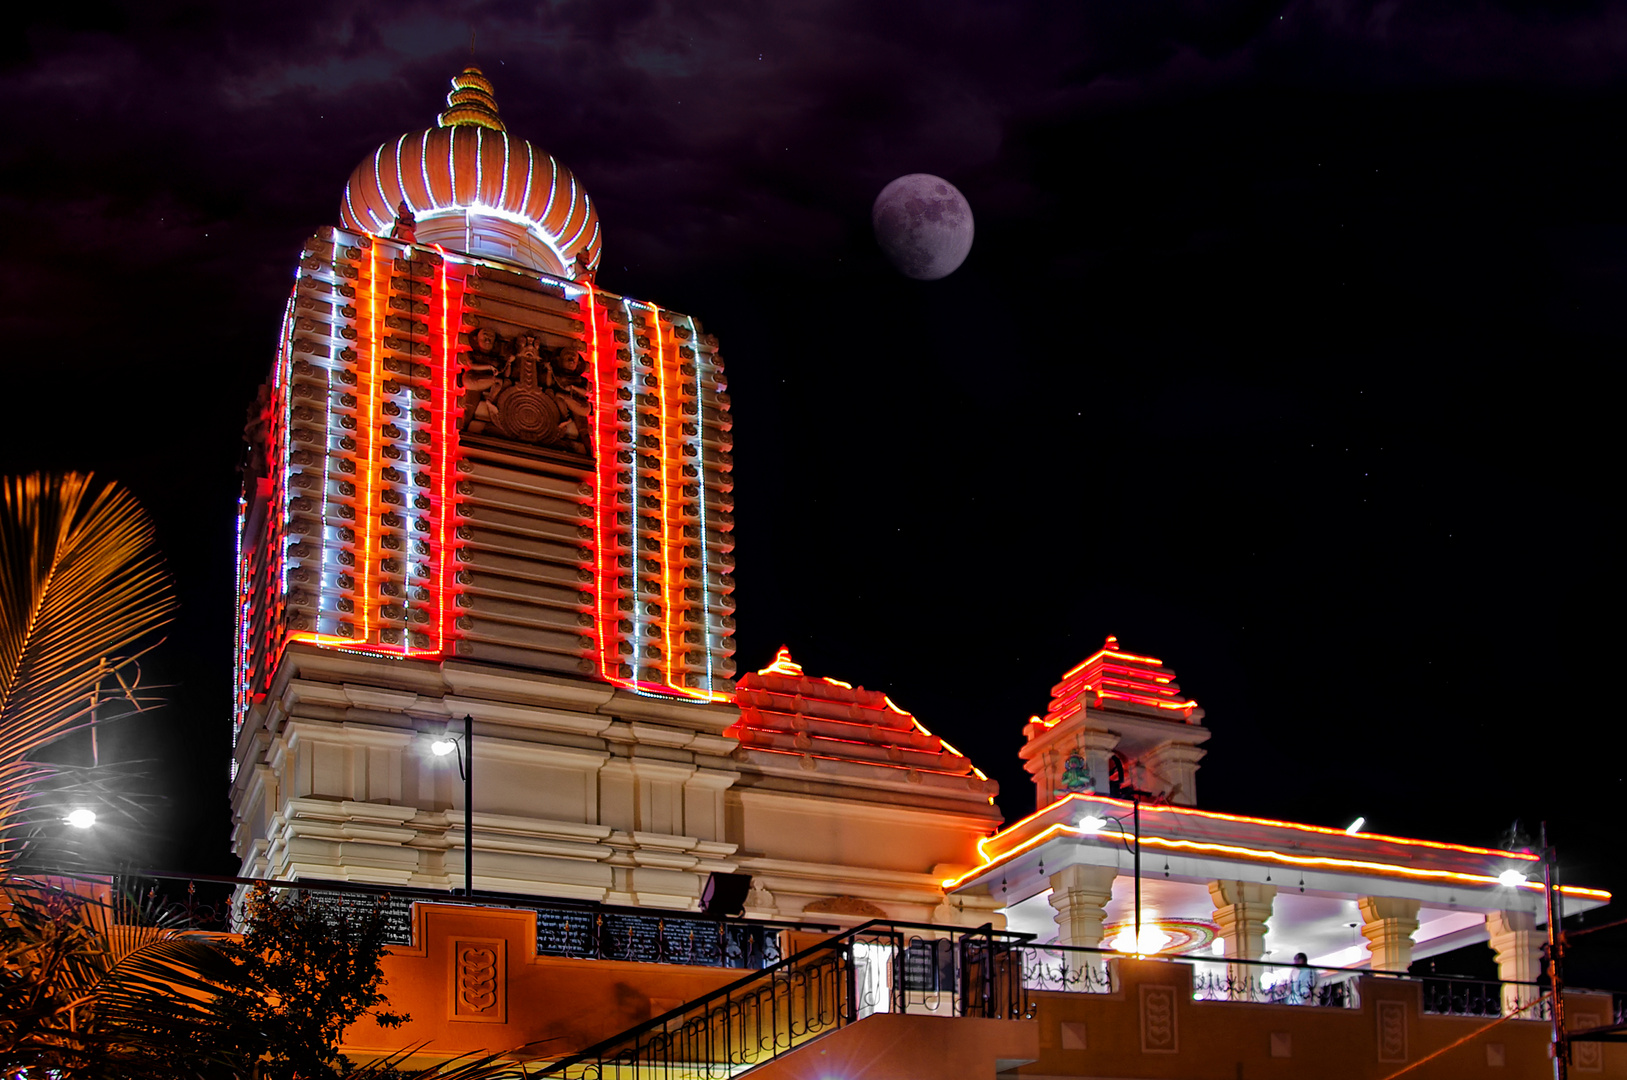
(466, 769)
(1092, 823)
(1556, 953)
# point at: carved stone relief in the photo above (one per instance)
(479, 979)
(515, 388)
(1392, 1031)
(1159, 1034)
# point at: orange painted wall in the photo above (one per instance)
(888, 1047)
(550, 1006)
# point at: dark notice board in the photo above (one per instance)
(346, 906)
(604, 935)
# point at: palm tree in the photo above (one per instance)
(82, 587)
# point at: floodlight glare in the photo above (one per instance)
(81, 818)
(1511, 878)
(1091, 823)
(442, 747)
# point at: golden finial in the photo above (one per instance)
(471, 101)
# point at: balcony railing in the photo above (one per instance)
(879, 967)
(1071, 969)
(564, 928)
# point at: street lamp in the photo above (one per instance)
(443, 745)
(81, 817)
(1091, 823)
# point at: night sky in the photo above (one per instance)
(1282, 352)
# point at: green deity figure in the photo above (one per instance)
(1075, 776)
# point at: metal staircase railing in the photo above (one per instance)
(880, 966)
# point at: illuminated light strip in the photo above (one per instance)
(400, 176)
(1268, 855)
(423, 165)
(407, 483)
(530, 164)
(592, 246)
(373, 346)
(1192, 811)
(605, 456)
(443, 519)
(378, 180)
(502, 194)
(587, 214)
(668, 510)
(515, 216)
(240, 639)
(480, 170)
(782, 665)
(632, 349)
(700, 468)
(327, 441)
(671, 547)
(1116, 655)
(553, 186)
(285, 367)
(451, 163)
(572, 211)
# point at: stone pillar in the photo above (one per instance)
(1173, 768)
(1099, 746)
(1517, 944)
(1241, 911)
(1388, 924)
(1079, 894)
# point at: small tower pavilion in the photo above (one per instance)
(1116, 720)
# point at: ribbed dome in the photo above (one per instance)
(476, 188)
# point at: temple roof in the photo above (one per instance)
(468, 165)
(828, 724)
(1116, 681)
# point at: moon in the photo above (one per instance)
(924, 226)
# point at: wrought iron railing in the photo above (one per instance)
(874, 968)
(1275, 984)
(1069, 969)
(1449, 995)
(578, 930)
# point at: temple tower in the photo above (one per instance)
(480, 485)
(1116, 719)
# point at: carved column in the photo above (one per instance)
(1098, 747)
(1388, 924)
(1241, 911)
(1174, 768)
(1079, 894)
(1517, 944)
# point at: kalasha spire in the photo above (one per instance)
(476, 188)
(471, 101)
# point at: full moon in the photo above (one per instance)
(924, 225)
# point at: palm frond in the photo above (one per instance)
(81, 585)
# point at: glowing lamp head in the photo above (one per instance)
(81, 817)
(1511, 878)
(1090, 823)
(1149, 942)
(442, 746)
(1355, 826)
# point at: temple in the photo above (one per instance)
(485, 663)
(478, 484)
